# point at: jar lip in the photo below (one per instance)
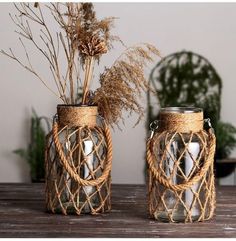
(76, 105)
(186, 109)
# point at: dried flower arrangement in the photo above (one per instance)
(83, 39)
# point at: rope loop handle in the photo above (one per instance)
(69, 169)
(189, 183)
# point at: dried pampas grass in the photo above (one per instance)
(123, 83)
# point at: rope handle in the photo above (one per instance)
(67, 166)
(186, 185)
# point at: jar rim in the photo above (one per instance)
(76, 105)
(186, 109)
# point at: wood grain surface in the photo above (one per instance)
(22, 214)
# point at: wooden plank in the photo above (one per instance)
(22, 214)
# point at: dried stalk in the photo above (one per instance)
(48, 47)
(88, 77)
(30, 68)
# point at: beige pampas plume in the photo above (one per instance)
(123, 83)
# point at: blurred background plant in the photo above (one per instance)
(188, 79)
(34, 153)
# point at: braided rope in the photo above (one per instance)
(165, 182)
(73, 174)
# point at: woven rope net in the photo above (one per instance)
(180, 183)
(78, 168)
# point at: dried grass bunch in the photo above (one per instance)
(83, 39)
(122, 84)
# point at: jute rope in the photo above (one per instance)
(67, 166)
(156, 172)
(181, 122)
(74, 116)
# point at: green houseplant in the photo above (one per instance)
(188, 79)
(34, 153)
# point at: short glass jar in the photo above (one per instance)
(180, 159)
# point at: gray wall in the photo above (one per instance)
(208, 29)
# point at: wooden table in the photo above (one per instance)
(22, 214)
(229, 161)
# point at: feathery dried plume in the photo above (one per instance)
(123, 83)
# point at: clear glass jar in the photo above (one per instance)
(179, 156)
(85, 149)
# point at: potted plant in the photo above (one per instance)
(79, 150)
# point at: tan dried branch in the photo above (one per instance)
(26, 13)
(29, 68)
(48, 47)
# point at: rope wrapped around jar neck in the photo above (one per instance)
(180, 119)
(74, 116)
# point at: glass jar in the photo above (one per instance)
(78, 162)
(181, 156)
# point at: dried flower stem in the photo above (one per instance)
(89, 65)
(71, 80)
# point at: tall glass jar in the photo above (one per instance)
(180, 159)
(78, 162)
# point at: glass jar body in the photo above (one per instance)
(75, 159)
(180, 157)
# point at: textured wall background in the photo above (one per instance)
(208, 29)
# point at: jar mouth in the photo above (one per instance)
(187, 109)
(75, 105)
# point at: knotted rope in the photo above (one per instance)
(156, 171)
(67, 166)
